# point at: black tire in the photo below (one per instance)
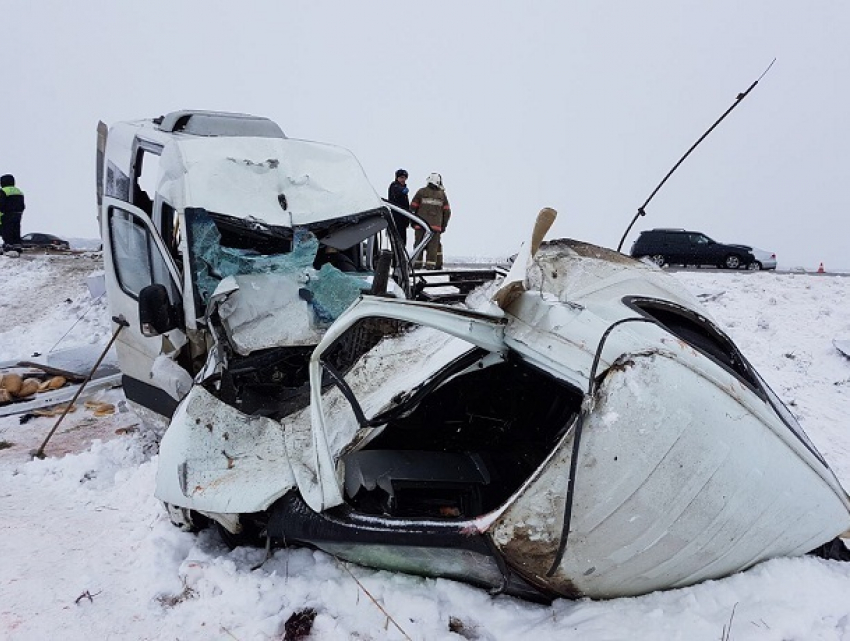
(658, 259)
(250, 536)
(732, 261)
(186, 520)
(755, 266)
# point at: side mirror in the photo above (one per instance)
(156, 313)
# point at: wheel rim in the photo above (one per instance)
(754, 266)
(733, 262)
(658, 259)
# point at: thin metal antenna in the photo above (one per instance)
(642, 209)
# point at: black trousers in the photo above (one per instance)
(11, 228)
(432, 256)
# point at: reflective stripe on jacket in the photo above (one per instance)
(11, 200)
(432, 205)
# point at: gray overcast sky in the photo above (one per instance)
(583, 107)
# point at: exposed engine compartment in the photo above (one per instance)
(272, 383)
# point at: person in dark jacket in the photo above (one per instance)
(12, 210)
(432, 205)
(397, 195)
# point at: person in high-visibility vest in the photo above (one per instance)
(11, 211)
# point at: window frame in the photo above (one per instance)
(153, 253)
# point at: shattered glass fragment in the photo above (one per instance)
(333, 291)
(328, 291)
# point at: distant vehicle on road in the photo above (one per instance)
(683, 247)
(764, 259)
(44, 241)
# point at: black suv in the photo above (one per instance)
(682, 247)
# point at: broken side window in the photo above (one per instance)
(146, 172)
(169, 228)
(698, 332)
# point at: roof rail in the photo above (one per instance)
(218, 123)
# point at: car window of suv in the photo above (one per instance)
(700, 239)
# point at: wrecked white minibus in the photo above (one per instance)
(218, 223)
(580, 428)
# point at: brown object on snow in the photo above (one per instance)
(12, 383)
(5, 396)
(100, 408)
(28, 387)
(52, 383)
(127, 430)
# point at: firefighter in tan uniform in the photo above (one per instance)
(431, 205)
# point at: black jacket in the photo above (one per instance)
(397, 195)
(11, 198)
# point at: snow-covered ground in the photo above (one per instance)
(88, 553)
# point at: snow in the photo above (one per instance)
(88, 553)
(243, 177)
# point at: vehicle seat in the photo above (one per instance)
(418, 483)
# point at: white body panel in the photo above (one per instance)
(243, 177)
(136, 353)
(214, 458)
(264, 310)
(669, 494)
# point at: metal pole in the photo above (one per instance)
(642, 209)
(122, 323)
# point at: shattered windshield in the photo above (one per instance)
(253, 249)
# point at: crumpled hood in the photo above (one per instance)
(264, 310)
(281, 182)
(259, 311)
